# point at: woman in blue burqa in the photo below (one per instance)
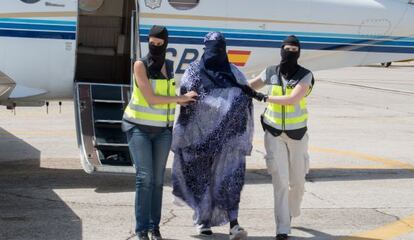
(212, 138)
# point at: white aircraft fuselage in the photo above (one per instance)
(39, 40)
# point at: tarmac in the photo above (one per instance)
(360, 186)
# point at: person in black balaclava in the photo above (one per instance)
(286, 138)
(289, 63)
(148, 120)
(156, 54)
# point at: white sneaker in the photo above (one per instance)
(238, 233)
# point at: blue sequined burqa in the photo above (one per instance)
(211, 140)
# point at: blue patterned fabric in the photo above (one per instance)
(210, 142)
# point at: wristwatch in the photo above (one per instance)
(265, 98)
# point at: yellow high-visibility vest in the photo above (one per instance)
(286, 117)
(161, 115)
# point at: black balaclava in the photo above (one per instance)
(156, 54)
(289, 63)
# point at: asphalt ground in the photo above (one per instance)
(360, 185)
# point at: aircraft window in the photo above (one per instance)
(184, 4)
(90, 5)
(30, 1)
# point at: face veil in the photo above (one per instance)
(214, 65)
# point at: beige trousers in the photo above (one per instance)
(288, 162)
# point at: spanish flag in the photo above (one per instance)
(239, 57)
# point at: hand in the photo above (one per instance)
(187, 98)
(252, 93)
(259, 96)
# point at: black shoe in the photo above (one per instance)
(204, 231)
(142, 236)
(281, 237)
(156, 235)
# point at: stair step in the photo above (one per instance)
(116, 169)
(109, 92)
(108, 124)
(109, 121)
(107, 101)
(112, 144)
(103, 111)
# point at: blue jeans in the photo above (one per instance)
(149, 152)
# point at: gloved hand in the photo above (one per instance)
(259, 96)
(252, 93)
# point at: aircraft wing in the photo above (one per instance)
(6, 86)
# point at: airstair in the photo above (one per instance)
(99, 111)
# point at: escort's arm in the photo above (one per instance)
(257, 83)
(295, 97)
(152, 99)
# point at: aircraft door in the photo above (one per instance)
(135, 40)
(99, 106)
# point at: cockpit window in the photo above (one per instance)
(30, 1)
(184, 4)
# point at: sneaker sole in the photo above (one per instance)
(205, 235)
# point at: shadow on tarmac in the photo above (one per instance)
(260, 176)
(332, 174)
(30, 209)
(316, 235)
(393, 65)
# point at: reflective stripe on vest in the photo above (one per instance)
(161, 115)
(286, 117)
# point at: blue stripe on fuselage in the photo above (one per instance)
(273, 39)
(56, 29)
(38, 21)
(332, 40)
(304, 45)
(281, 33)
(38, 34)
(37, 27)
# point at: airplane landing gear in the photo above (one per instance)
(386, 64)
